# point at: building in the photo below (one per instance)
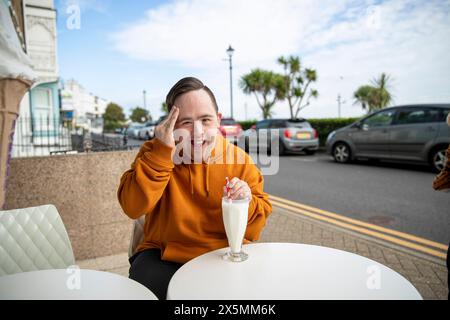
(39, 116)
(81, 108)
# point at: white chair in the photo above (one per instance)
(33, 239)
(137, 235)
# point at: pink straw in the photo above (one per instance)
(228, 188)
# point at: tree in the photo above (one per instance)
(164, 108)
(139, 114)
(113, 117)
(376, 96)
(382, 97)
(363, 95)
(297, 82)
(267, 86)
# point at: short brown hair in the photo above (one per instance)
(186, 85)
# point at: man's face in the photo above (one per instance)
(199, 117)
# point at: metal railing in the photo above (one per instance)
(46, 136)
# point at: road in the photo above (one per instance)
(392, 195)
(396, 196)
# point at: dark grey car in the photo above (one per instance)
(415, 133)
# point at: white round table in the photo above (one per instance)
(288, 271)
(59, 284)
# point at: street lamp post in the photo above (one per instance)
(339, 99)
(144, 93)
(230, 52)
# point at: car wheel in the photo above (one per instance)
(341, 153)
(438, 159)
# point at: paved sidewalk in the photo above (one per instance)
(428, 275)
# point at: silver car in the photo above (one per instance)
(133, 130)
(293, 135)
(147, 131)
(416, 133)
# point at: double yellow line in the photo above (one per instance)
(399, 238)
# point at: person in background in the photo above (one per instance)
(442, 181)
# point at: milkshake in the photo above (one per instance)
(235, 217)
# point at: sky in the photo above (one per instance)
(116, 49)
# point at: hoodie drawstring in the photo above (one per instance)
(190, 181)
(206, 180)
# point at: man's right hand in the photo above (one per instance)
(164, 130)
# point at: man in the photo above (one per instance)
(177, 181)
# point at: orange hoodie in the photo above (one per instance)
(183, 203)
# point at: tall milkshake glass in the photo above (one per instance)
(235, 217)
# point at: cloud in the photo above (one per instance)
(355, 40)
(196, 33)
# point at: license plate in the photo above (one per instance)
(303, 135)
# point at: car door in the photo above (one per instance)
(371, 139)
(413, 129)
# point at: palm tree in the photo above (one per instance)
(164, 108)
(297, 81)
(382, 96)
(376, 96)
(363, 96)
(267, 86)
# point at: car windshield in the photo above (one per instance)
(227, 122)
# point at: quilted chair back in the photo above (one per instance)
(137, 235)
(33, 239)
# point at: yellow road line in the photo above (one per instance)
(363, 224)
(363, 230)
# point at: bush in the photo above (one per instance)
(323, 126)
(246, 124)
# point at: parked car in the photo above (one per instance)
(147, 132)
(294, 135)
(230, 129)
(133, 130)
(416, 133)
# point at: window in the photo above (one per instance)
(411, 116)
(43, 98)
(383, 118)
(227, 122)
(278, 124)
(444, 114)
(264, 124)
(298, 124)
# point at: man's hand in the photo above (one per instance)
(239, 189)
(164, 130)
